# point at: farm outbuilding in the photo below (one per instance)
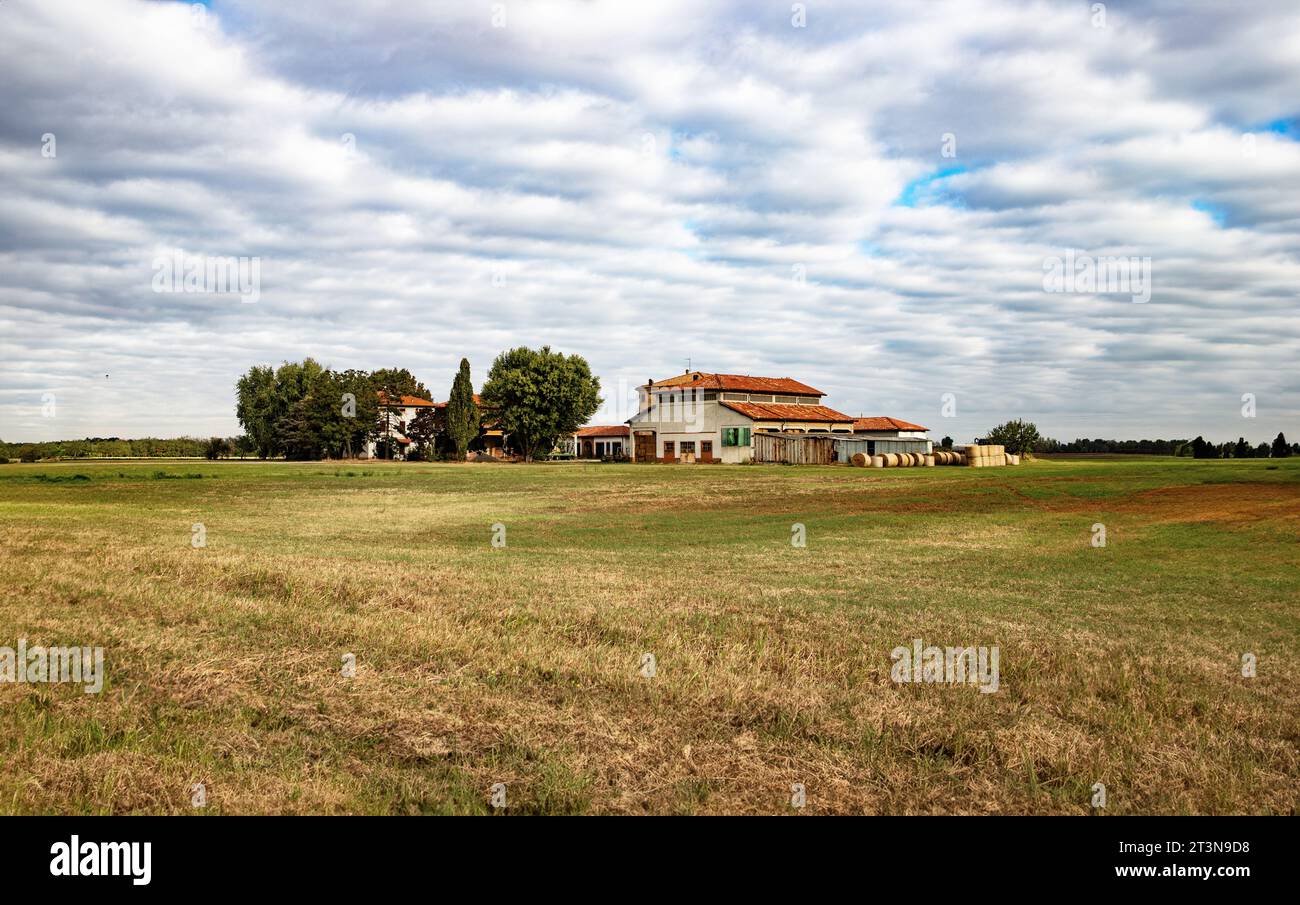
(847, 447)
(794, 449)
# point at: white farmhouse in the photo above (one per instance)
(699, 417)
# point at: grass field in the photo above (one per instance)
(522, 665)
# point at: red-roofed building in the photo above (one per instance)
(599, 441)
(399, 416)
(888, 426)
(704, 417)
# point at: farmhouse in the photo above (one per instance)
(391, 440)
(395, 417)
(702, 417)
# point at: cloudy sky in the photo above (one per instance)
(864, 196)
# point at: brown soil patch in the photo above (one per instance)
(1230, 503)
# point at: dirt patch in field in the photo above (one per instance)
(1228, 503)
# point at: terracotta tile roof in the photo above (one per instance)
(443, 405)
(780, 411)
(885, 424)
(604, 430)
(741, 383)
(414, 402)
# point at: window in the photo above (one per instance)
(710, 396)
(688, 448)
(735, 436)
(736, 397)
(788, 400)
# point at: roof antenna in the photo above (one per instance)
(688, 366)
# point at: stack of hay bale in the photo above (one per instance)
(986, 456)
(897, 460)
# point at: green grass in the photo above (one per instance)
(478, 665)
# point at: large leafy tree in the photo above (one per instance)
(255, 408)
(302, 410)
(357, 404)
(1017, 436)
(398, 382)
(463, 418)
(1280, 450)
(537, 396)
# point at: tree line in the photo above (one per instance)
(1023, 436)
(104, 447)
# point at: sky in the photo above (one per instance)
(897, 203)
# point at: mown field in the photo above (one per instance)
(522, 665)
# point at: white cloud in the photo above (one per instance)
(646, 178)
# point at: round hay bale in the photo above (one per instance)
(859, 460)
(929, 461)
(891, 460)
(877, 461)
(910, 459)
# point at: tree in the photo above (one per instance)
(946, 442)
(422, 431)
(463, 418)
(268, 402)
(1203, 450)
(216, 448)
(398, 382)
(1280, 450)
(538, 396)
(255, 408)
(1017, 436)
(358, 407)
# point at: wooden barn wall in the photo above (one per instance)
(775, 448)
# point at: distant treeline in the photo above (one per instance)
(104, 446)
(1198, 448)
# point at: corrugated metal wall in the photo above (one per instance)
(847, 447)
(902, 446)
(794, 449)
